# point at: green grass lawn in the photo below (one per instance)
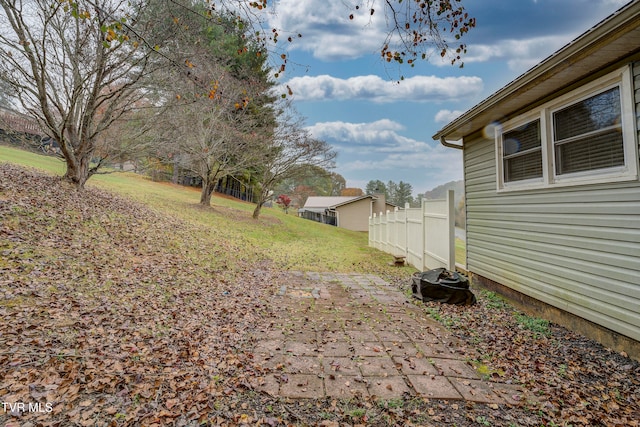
(25, 158)
(461, 251)
(286, 240)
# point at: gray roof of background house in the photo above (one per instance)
(319, 203)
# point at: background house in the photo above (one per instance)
(347, 212)
(551, 184)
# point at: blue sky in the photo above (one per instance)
(382, 129)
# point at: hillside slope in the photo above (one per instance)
(440, 192)
(108, 306)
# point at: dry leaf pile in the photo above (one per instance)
(577, 381)
(113, 314)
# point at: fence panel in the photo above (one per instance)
(390, 243)
(383, 232)
(425, 236)
(415, 243)
(439, 233)
(400, 231)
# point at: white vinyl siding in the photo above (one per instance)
(574, 247)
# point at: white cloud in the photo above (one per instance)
(379, 136)
(520, 55)
(378, 150)
(429, 160)
(326, 29)
(344, 131)
(446, 116)
(380, 142)
(376, 89)
(328, 33)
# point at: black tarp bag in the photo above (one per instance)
(442, 285)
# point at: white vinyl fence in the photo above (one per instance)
(425, 235)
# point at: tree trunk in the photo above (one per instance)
(78, 170)
(256, 211)
(262, 199)
(207, 190)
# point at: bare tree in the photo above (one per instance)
(6, 96)
(216, 110)
(74, 67)
(211, 138)
(289, 152)
(129, 140)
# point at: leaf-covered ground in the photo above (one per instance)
(578, 382)
(114, 314)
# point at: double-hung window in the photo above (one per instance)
(585, 136)
(522, 152)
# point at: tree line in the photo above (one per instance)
(395, 193)
(401, 193)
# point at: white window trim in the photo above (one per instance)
(629, 172)
(509, 126)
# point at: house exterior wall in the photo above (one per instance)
(576, 248)
(355, 216)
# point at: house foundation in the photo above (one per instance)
(534, 307)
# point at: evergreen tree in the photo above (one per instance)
(392, 189)
(403, 194)
(376, 187)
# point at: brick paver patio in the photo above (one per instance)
(347, 335)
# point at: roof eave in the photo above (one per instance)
(357, 199)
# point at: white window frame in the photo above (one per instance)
(628, 172)
(509, 126)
